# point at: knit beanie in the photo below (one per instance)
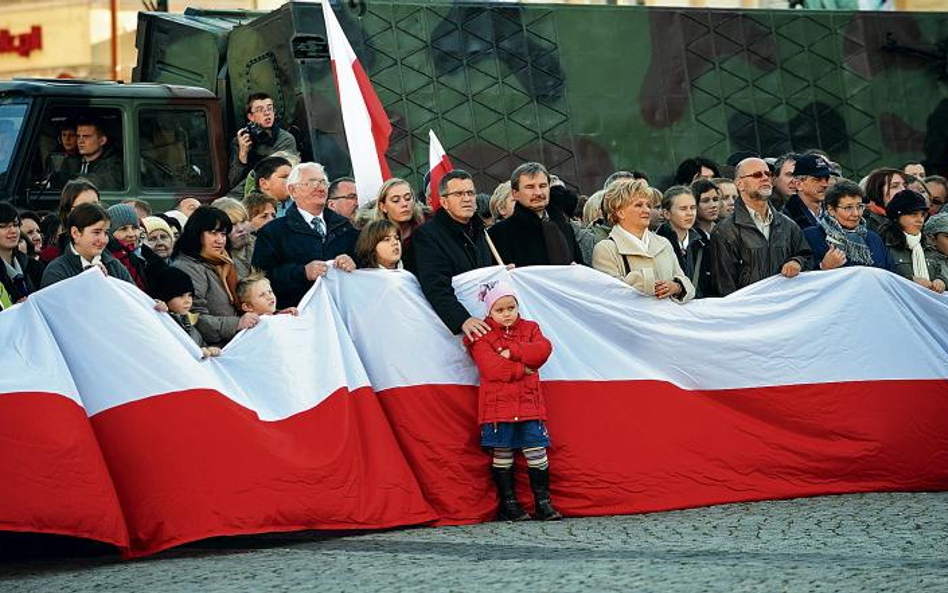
(491, 292)
(121, 215)
(153, 223)
(172, 282)
(904, 202)
(936, 224)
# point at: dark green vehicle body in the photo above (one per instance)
(584, 89)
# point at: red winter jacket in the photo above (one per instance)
(507, 393)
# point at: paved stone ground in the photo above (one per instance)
(854, 543)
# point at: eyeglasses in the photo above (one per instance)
(345, 197)
(5, 226)
(860, 208)
(758, 175)
(263, 109)
(466, 193)
(317, 183)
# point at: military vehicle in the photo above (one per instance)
(584, 89)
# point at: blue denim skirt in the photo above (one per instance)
(515, 435)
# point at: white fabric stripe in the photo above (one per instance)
(854, 324)
(355, 113)
(29, 358)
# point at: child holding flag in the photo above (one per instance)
(511, 410)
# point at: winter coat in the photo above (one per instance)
(875, 222)
(217, 316)
(619, 257)
(32, 276)
(937, 263)
(901, 256)
(588, 236)
(442, 251)
(69, 264)
(107, 172)
(507, 393)
(237, 171)
(816, 237)
(142, 268)
(285, 245)
(799, 213)
(519, 238)
(741, 255)
(693, 260)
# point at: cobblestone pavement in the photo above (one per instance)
(865, 542)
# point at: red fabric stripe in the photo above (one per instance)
(637, 446)
(381, 126)
(434, 196)
(52, 475)
(194, 464)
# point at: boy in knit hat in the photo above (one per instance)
(511, 410)
(176, 289)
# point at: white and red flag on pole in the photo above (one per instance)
(366, 124)
(438, 165)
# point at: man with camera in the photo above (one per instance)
(260, 138)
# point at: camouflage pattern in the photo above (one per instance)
(591, 89)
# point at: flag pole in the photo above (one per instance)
(493, 249)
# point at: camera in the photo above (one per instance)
(258, 134)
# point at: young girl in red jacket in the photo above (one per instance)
(511, 411)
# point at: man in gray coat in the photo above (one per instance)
(757, 241)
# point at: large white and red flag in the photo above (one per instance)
(438, 165)
(366, 124)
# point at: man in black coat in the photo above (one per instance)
(451, 243)
(812, 173)
(296, 249)
(536, 233)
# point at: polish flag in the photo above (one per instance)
(367, 126)
(780, 390)
(438, 165)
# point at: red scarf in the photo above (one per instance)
(124, 255)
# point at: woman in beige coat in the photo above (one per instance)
(634, 254)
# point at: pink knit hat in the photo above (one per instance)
(491, 292)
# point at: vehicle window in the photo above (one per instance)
(175, 149)
(11, 120)
(79, 141)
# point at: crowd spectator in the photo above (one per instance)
(841, 236)
(757, 241)
(396, 203)
(379, 246)
(201, 253)
(501, 202)
(240, 240)
(261, 209)
(938, 191)
(729, 195)
(87, 232)
(96, 160)
(158, 236)
(186, 205)
(260, 138)
(75, 193)
(812, 173)
(343, 197)
(880, 186)
(296, 249)
(271, 175)
(124, 235)
(785, 180)
(679, 208)
(256, 296)
(175, 289)
(534, 234)
(936, 250)
(694, 168)
(708, 197)
(915, 169)
(903, 238)
(20, 275)
(142, 207)
(452, 242)
(633, 253)
(30, 226)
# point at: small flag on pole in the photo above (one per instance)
(439, 164)
(366, 124)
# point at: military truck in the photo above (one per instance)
(584, 89)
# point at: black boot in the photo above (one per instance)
(510, 509)
(540, 483)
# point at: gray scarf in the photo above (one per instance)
(856, 253)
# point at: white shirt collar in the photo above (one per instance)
(309, 216)
(86, 263)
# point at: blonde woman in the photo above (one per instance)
(397, 204)
(634, 254)
(501, 202)
(241, 238)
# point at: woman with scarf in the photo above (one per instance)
(201, 252)
(904, 240)
(125, 232)
(842, 237)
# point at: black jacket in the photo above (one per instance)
(69, 264)
(107, 172)
(519, 238)
(442, 251)
(798, 212)
(285, 245)
(693, 260)
(741, 255)
(29, 283)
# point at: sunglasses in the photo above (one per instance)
(758, 175)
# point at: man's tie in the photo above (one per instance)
(318, 227)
